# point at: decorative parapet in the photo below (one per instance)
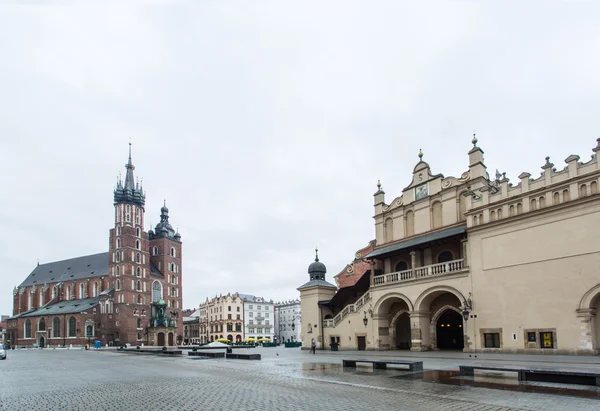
(577, 179)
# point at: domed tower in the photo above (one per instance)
(128, 258)
(316, 290)
(166, 252)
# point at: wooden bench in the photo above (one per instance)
(382, 364)
(540, 375)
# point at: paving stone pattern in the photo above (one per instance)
(102, 380)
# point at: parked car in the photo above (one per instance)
(2, 352)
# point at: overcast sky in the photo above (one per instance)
(266, 124)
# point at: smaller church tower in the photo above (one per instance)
(311, 293)
(166, 253)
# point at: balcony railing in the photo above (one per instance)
(439, 269)
(350, 308)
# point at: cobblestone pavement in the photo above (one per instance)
(293, 380)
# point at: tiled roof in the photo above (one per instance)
(94, 265)
(63, 307)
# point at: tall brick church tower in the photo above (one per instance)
(144, 267)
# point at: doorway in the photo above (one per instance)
(449, 331)
(362, 343)
(403, 333)
(170, 339)
(42, 342)
(161, 339)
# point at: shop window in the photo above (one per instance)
(547, 339)
(492, 340)
(531, 337)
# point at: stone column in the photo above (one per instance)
(413, 261)
(372, 265)
(419, 329)
(465, 252)
(381, 331)
(587, 341)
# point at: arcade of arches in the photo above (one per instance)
(437, 324)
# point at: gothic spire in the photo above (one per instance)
(129, 192)
(129, 181)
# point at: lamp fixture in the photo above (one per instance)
(365, 319)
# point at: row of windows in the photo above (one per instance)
(129, 212)
(535, 339)
(56, 328)
(172, 251)
(538, 203)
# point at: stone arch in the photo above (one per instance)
(434, 320)
(589, 297)
(427, 296)
(445, 256)
(388, 296)
(394, 328)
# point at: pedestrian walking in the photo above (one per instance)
(313, 346)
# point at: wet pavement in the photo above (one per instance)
(286, 379)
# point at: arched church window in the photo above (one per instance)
(139, 323)
(139, 286)
(41, 298)
(54, 292)
(137, 231)
(138, 258)
(118, 243)
(128, 213)
(118, 208)
(138, 271)
(72, 328)
(27, 330)
(156, 291)
(137, 244)
(118, 284)
(42, 325)
(81, 294)
(139, 299)
(173, 252)
(155, 251)
(118, 231)
(137, 216)
(56, 327)
(95, 289)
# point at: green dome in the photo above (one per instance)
(161, 302)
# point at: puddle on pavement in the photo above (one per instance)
(505, 381)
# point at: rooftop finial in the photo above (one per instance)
(317, 254)
(378, 185)
(474, 141)
(420, 154)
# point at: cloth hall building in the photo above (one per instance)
(471, 263)
(129, 295)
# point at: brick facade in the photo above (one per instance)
(113, 292)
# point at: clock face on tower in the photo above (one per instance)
(421, 192)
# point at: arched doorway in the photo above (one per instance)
(449, 331)
(238, 338)
(161, 339)
(390, 326)
(401, 325)
(170, 339)
(42, 342)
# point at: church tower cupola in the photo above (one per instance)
(164, 228)
(129, 192)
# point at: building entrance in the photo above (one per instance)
(449, 331)
(42, 342)
(403, 332)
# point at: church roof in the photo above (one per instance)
(87, 266)
(62, 307)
